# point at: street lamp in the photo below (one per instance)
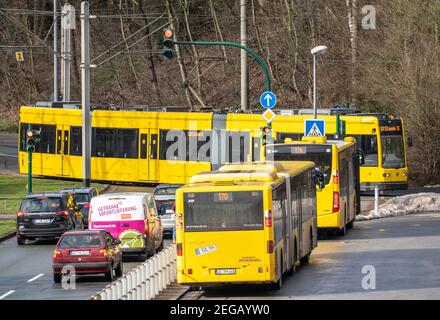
(315, 51)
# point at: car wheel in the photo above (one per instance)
(57, 277)
(21, 241)
(119, 269)
(109, 275)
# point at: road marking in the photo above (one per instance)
(8, 155)
(36, 277)
(7, 294)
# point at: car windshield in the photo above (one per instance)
(80, 241)
(41, 204)
(163, 206)
(165, 191)
(81, 197)
(392, 152)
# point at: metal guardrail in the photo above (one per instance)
(145, 281)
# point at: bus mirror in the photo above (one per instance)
(319, 179)
(409, 142)
(361, 156)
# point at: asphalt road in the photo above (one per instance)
(19, 265)
(8, 151)
(404, 251)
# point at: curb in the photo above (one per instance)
(8, 236)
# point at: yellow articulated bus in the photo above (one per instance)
(137, 146)
(338, 202)
(246, 223)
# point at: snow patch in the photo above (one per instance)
(403, 205)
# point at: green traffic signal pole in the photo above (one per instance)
(29, 163)
(255, 55)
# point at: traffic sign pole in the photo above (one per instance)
(29, 165)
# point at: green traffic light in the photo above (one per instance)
(168, 53)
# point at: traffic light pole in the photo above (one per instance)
(255, 55)
(29, 166)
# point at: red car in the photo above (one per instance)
(89, 252)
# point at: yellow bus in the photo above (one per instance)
(246, 223)
(139, 146)
(380, 137)
(338, 202)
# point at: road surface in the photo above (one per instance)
(404, 252)
(8, 151)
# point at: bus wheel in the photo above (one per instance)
(292, 270)
(350, 225)
(343, 231)
(277, 285)
(306, 258)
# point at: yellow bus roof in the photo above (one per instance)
(266, 172)
(340, 144)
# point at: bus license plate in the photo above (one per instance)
(224, 271)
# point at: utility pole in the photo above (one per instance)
(85, 93)
(243, 56)
(55, 51)
(67, 24)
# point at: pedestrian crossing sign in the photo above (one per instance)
(314, 128)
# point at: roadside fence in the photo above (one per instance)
(145, 281)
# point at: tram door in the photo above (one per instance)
(62, 150)
(148, 155)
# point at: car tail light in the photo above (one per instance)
(270, 246)
(86, 205)
(335, 176)
(63, 213)
(179, 250)
(102, 253)
(268, 218)
(57, 253)
(336, 201)
(22, 214)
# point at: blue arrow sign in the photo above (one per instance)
(314, 128)
(268, 100)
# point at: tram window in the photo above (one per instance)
(238, 147)
(75, 141)
(47, 137)
(153, 146)
(281, 136)
(126, 145)
(103, 142)
(182, 148)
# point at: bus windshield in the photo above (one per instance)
(223, 211)
(320, 155)
(393, 155)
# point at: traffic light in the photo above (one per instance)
(168, 43)
(32, 138)
(267, 134)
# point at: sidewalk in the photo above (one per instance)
(7, 216)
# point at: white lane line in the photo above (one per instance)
(36, 277)
(7, 294)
